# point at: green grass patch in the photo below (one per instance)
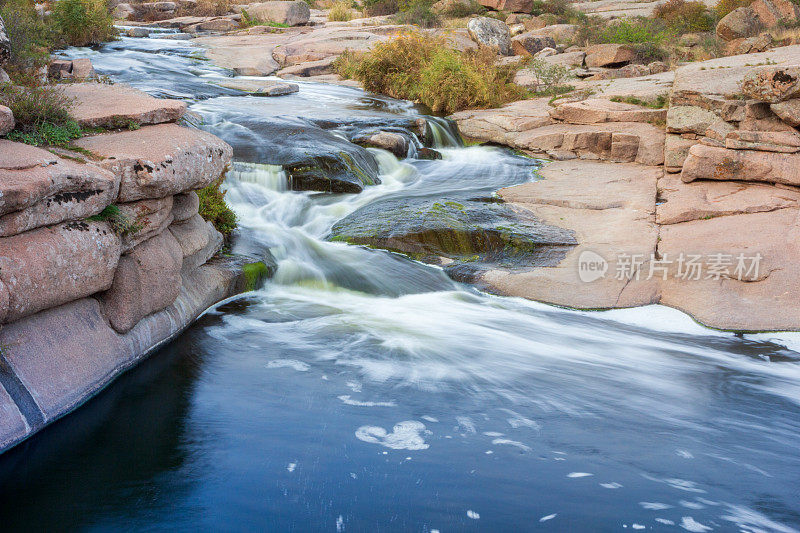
(214, 209)
(661, 101)
(120, 222)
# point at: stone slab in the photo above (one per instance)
(117, 106)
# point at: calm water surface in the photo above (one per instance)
(362, 391)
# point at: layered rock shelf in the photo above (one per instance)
(103, 255)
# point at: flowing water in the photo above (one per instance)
(360, 390)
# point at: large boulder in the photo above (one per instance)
(562, 33)
(147, 279)
(509, 6)
(199, 242)
(772, 84)
(716, 163)
(528, 44)
(291, 13)
(6, 120)
(490, 32)
(788, 111)
(609, 55)
(739, 23)
(160, 160)
(597, 110)
(119, 106)
(39, 189)
(689, 119)
(5, 44)
(146, 218)
(50, 266)
(774, 12)
(185, 206)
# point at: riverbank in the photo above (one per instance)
(104, 255)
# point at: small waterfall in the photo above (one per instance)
(444, 132)
(271, 177)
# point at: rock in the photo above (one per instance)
(689, 119)
(309, 68)
(5, 43)
(147, 279)
(39, 189)
(561, 33)
(740, 305)
(719, 130)
(453, 228)
(510, 6)
(137, 31)
(748, 45)
(609, 55)
(657, 67)
(291, 13)
(185, 206)
(217, 24)
(774, 12)
(490, 32)
(447, 6)
(702, 200)
(530, 44)
(4, 78)
(788, 111)
(98, 105)
(123, 12)
(545, 52)
(597, 110)
(50, 266)
(386, 140)
(260, 87)
(610, 208)
(765, 141)
(568, 59)
(148, 218)
(707, 162)
(82, 69)
(499, 125)
(515, 29)
(6, 120)
(676, 149)
(160, 160)
(772, 84)
(199, 241)
(739, 23)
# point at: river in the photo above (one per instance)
(359, 390)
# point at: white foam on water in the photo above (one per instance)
(665, 521)
(430, 419)
(492, 434)
(548, 517)
(340, 523)
(349, 401)
(753, 522)
(637, 526)
(291, 466)
(509, 442)
(685, 454)
(691, 505)
(465, 423)
(406, 435)
(518, 421)
(472, 514)
(690, 524)
(579, 474)
(354, 386)
(655, 506)
(288, 363)
(488, 452)
(612, 485)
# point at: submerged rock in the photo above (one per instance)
(464, 230)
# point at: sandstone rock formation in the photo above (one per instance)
(289, 12)
(490, 32)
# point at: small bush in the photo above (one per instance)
(214, 209)
(634, 31)
(29, 36)
(418, 13)
(681, 16)
(83, 22)
(212, 8)
(340, 11)
(557, 11)
(661, 101)
(379, 8)
(120, 222)
(724, 7)
(420, 67)
(550, 79)
(460, 10)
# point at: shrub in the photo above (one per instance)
(120, 222)
(681, 16)
(549, 78)
(83, 22)
(418, 13)
(29, 37)
(461, 10)
(634, 31)
(214, 209)
(724, 7)
(212, 8)
(661, 101)
(340, 11)
(420, 67)
(559, 11)
(378, 8)
(41, 114)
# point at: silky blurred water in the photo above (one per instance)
(359, 390)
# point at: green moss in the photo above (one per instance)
(255, 274)
(214, 209)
